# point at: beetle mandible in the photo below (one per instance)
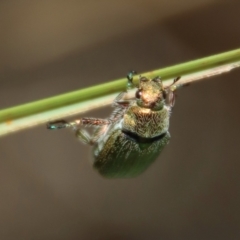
(126, 143)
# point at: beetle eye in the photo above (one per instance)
(138, 93)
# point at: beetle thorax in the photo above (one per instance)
(145, 122)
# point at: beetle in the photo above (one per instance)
(126, 143)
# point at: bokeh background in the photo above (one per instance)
(48, 189)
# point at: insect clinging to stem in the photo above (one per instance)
(132, 137)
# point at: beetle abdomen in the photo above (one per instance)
(124, 156)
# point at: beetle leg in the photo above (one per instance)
(114, 117)
(93, 121)
(176, 79)
(170, 92)
(58, 125)
(83, 136)
(97, 134)
(119, 100)
(176, 85)
(90, 122)
(130, 75)
(74, 124)
(117, 114)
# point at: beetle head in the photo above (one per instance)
(151, 93)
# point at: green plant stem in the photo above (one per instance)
(61, 106)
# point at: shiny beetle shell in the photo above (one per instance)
(124, 155)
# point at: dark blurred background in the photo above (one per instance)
(48, 189)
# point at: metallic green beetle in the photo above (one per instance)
(126, 143)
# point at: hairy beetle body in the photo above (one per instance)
(126, 143)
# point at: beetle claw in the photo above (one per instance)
(57, 125)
